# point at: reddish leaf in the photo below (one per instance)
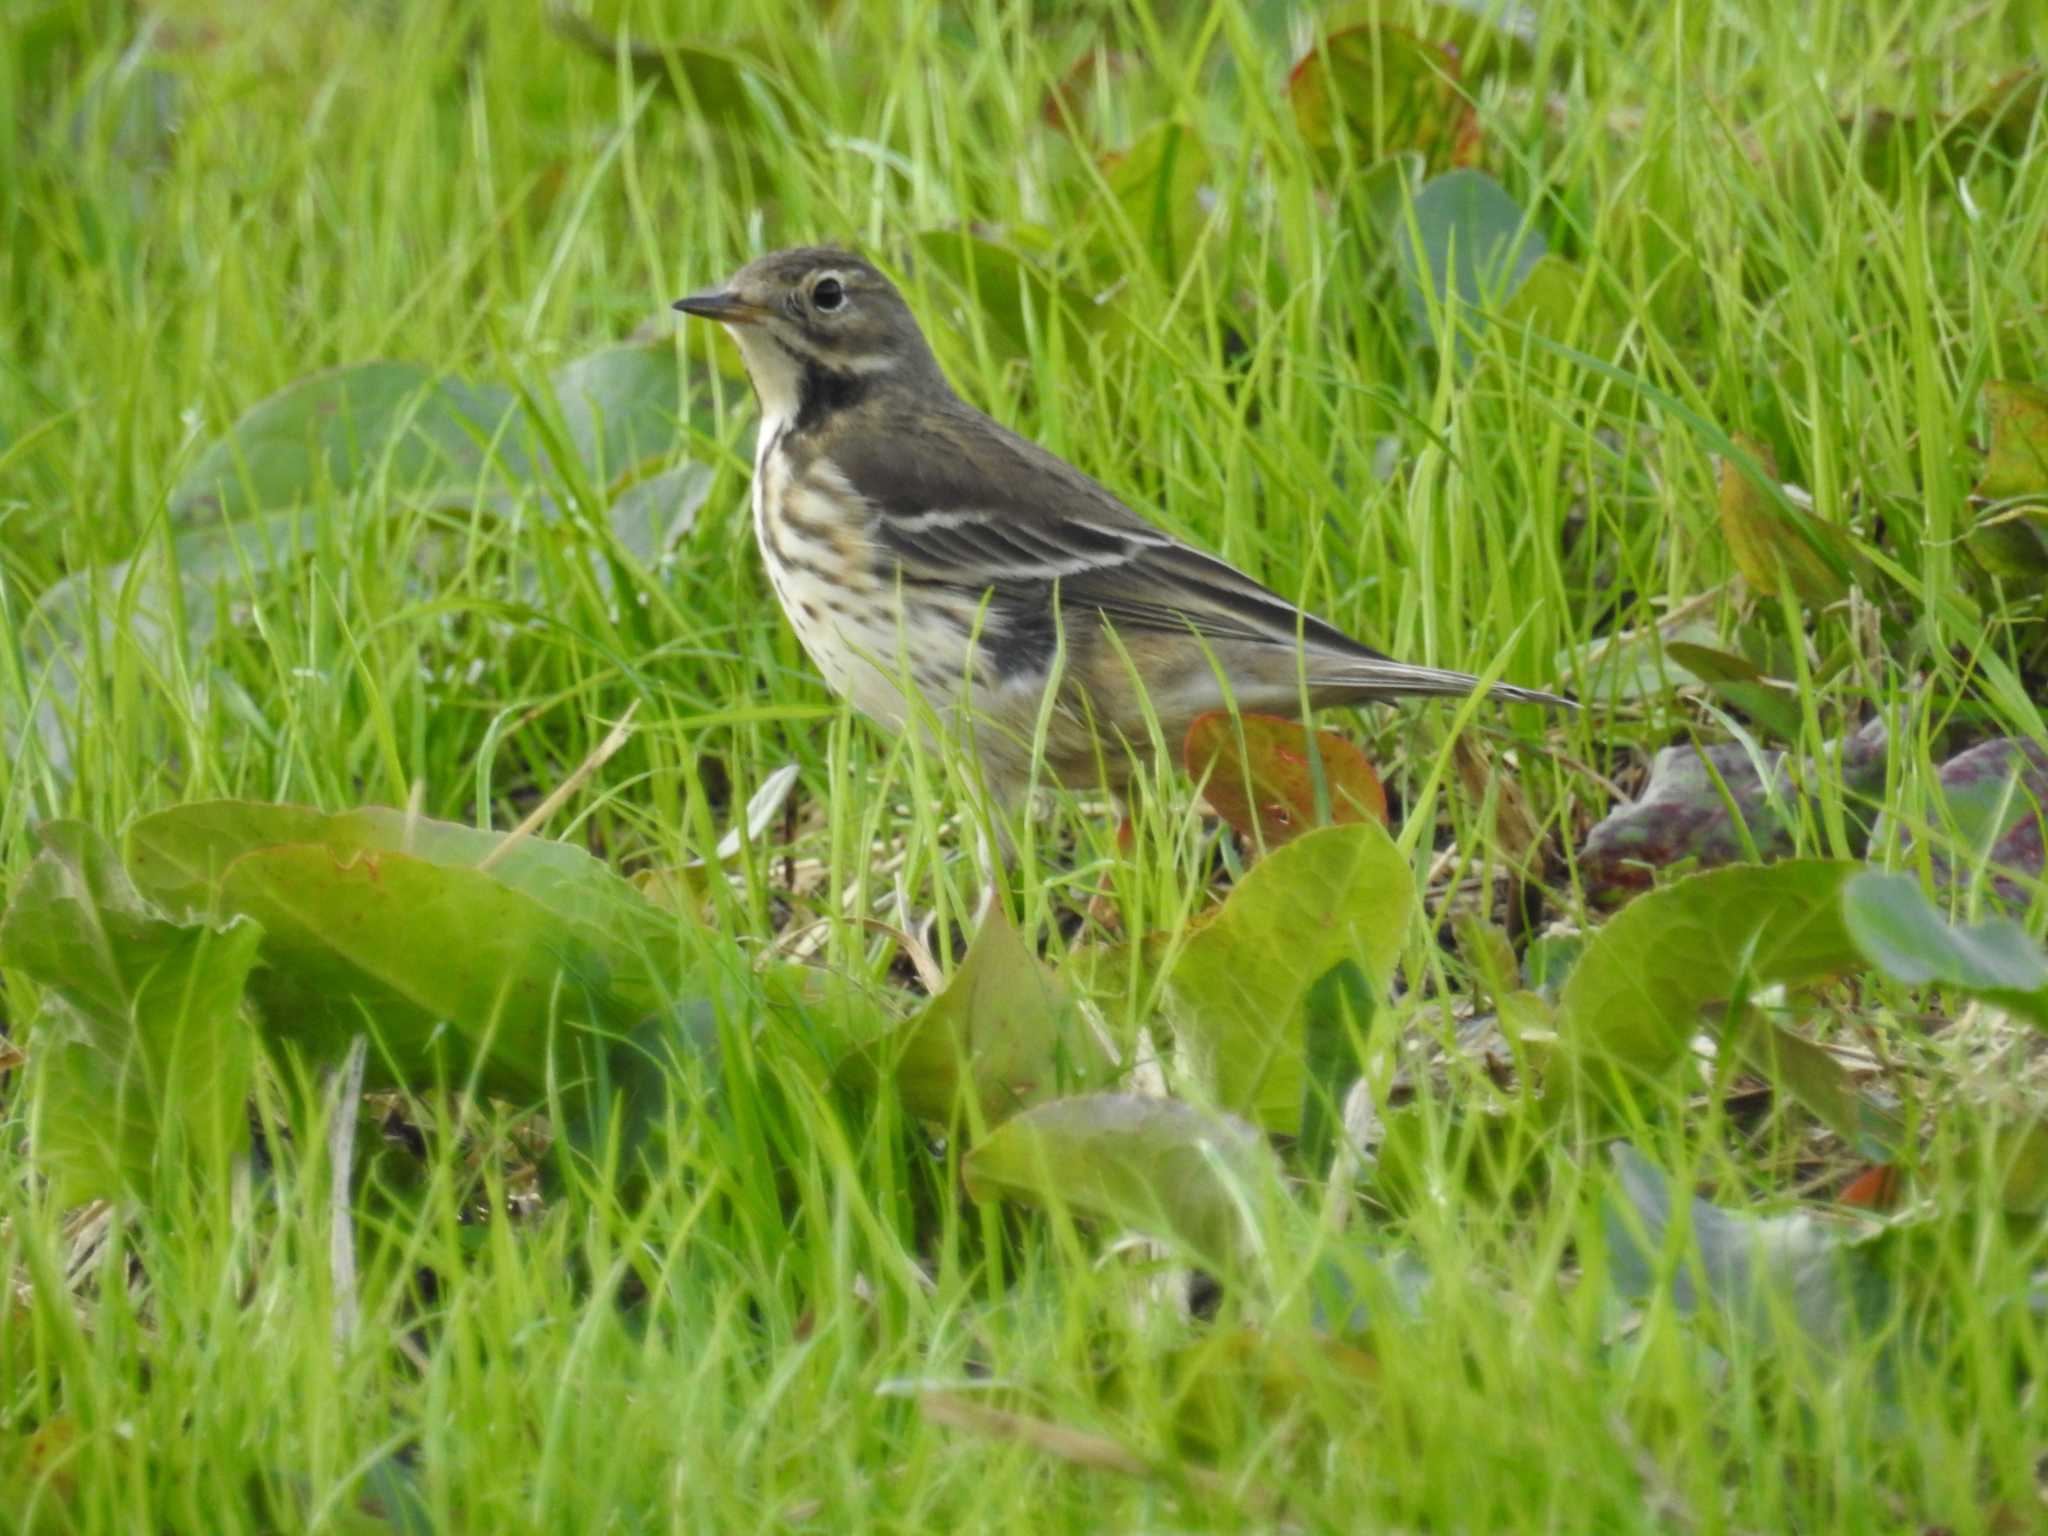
(1262, 781)
(1384, 90)
(1876, 1188)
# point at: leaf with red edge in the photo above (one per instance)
(1382, 89)
(1259, 773)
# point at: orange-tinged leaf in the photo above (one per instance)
(1384, 90)
(1876, 1188)
(1258, 771)
(1767, 546)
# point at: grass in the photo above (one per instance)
(203, 204)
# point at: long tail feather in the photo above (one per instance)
(1363, 680)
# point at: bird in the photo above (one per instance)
(939, 568)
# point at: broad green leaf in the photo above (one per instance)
(446, 968)
(1379, 90)
(1011, 296)
(93, 1124)
(1156, 189)
(1235, 995)
(2011, 542)
(1810, 1074)
(1637, 664)
(1336, 1019)
(1469, 247)
(1742, 683)
(524, 960)
(1902, 933)
(1151, 1165)
(142, 601)
(621, 406)
(1005, 1029)
(836, 1015)
(1552, 299)
(1259, 773)
(1771, 1280)
(141, 1049)
(713, 79)
(1636, 996)
(115, 1095)
(1775, 547)
(181, 856)
(78, 926)
(385, 424)
(651, 517)
(1489, 36)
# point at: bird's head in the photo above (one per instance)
(815, 313)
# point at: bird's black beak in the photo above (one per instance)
(726, 308)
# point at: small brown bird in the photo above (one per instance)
(921, 548)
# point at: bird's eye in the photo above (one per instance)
(828, 295)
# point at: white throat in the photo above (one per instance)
(775, 374)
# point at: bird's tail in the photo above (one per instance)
(1361, 681)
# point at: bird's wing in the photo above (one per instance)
(963, 503)
(982, 509)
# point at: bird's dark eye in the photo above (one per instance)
(828, 295)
